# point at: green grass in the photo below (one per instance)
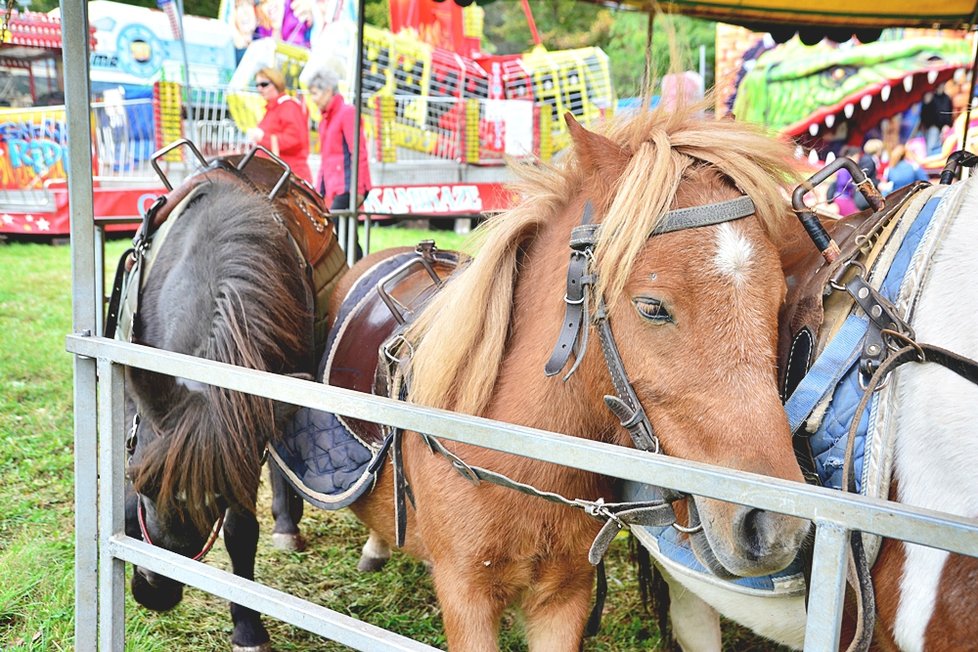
(36, 509)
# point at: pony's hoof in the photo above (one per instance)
(264, 647)
(371, 564)
(288, 542)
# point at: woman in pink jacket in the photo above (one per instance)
(284, 130)
(336, 145)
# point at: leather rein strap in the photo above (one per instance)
(903, 349)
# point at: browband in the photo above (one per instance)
(708, 215)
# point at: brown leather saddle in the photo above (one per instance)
(365, 342)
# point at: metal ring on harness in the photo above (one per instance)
(895, 340)
(688, 530)
(836, 283)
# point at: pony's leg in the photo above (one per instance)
(287, 510)
(241, 542)
(471, 609)
(695, 624)
(557, 606)
(375, 553)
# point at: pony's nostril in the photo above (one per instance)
(751, 533)
(759, 531)
(765, 533)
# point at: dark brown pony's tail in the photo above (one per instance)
(654, 592)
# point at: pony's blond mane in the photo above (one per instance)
(460, 338)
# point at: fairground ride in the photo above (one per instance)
(440, 115)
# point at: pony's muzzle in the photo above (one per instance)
(154, 591)
(747, 541)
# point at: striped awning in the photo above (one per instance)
(828, 13)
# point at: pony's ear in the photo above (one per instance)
(597, 153)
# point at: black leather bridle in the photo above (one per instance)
(581, 278)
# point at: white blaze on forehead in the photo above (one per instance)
(734, 253)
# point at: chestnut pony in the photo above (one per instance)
(694, 315)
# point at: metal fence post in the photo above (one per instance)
(75, 35)
(827, 593)
(111, 460)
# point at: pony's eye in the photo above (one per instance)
(652, 310)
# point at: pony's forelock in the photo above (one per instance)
(667, 144)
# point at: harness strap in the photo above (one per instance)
(706, 215)
(859, 570)
(579, 280)
(401, 489)
(625, 405)
(575, 315)
(617, 515)
(882, 315)
(600, 593)
(115, 299)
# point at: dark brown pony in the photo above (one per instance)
(694, 314)
(226, 285)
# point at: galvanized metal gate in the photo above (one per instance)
(102, 548)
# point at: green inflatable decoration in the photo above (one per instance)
(793, 86)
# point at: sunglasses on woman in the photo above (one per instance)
(263, 84)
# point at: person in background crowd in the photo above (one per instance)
(284, 130)
(871, 164)
(903, 170)
(336, 145)
(844, 189)
(935, 115)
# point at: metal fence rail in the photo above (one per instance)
(834, 513)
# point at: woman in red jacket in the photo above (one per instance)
(336, 145)
(285, 128)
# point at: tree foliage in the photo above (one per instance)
(621, 34)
